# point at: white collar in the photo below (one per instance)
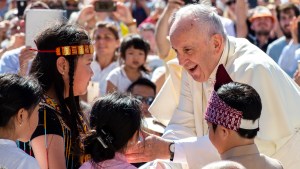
(8, 142)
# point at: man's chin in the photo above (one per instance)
(199, 78)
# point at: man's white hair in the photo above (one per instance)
(224, 165)
(206, 16)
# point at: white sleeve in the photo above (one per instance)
(113, 76)
(196, 151)
(182, 123)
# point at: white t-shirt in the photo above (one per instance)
(13, 157)
(118, 78)
(100, 74)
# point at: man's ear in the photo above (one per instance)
(218, 41)
(61, 64)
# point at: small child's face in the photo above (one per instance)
(134, 58)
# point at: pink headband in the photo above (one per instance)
(218, 112)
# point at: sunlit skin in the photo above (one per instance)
(197, 51)
(82, 75)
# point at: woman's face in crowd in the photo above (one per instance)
(83, 74)
(105, 42)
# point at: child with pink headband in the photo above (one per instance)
(233, 122)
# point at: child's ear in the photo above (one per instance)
(224, 132)
(62, 65)
(21, 117)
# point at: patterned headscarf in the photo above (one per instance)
(219, 113)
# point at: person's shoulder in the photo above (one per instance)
(271, 162)
(115, 71)
(25, 160)
(86, 165)
(278, 42)
(30, 162)
(247, 56)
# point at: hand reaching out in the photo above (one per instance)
(150, 148)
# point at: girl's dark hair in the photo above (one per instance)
(137, 42)
(45, 70)
(17, 92)
(244, 98)
(115, 118)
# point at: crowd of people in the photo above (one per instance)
(150, 84)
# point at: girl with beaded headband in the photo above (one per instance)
(62, 66)
(116, 121)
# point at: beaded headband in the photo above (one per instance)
(70, 50)
(218, 112)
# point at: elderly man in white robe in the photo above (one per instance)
(197, 36)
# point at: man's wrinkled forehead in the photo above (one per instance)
(182, 24)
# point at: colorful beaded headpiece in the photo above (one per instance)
(70, 50)
(218, 112)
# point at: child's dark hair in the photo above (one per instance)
(114, 119)
(45, 70)
(137, 42)
(142, 82)
(17, 92)
(244, 98)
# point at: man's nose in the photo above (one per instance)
(182, 60)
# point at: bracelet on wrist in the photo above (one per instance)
(132, 23)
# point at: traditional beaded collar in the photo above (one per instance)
(69, 50)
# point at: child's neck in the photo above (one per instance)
(132, 74)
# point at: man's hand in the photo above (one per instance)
(25, 56)
(150, 148)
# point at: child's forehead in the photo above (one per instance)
(132, 47)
